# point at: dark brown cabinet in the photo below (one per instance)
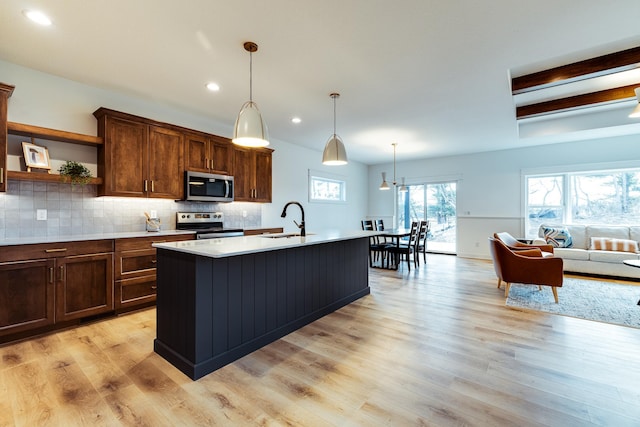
(5, 93)
(208, 153)
(45, 284)
(135, 270)
(252, 172)
(84, 287)
(26, 295)
(138, 159)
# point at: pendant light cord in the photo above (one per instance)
(250, 76)
(394, 164)
(334, 114)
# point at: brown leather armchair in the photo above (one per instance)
(515, 244)
(526, 266)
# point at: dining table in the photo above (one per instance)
(394, 235)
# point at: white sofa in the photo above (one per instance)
(581, 258)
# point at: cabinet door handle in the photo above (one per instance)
(146, 187)
(206, 163)
(152, 187)
(153, 288)
(50, 274)
(212, 164)
(153, 261)
(49, 251)
(1, 175)
(61, 270)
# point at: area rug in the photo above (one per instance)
(586, 299)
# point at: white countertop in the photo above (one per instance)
(83, 237)
(232, 246)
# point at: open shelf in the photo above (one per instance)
(42, 176)
(52, 134)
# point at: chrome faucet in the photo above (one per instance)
(301, 225)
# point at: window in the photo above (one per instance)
(326, 188)
(435, 203)
(599, 197)
(545, 202)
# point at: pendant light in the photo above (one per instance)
(636, 112)
(250, 130)
(385, 186)
(334, 152)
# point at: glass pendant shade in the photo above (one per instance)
(250, 130)
(384, 185)
(334, 152)
(636, 112)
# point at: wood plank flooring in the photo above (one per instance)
(436, 346)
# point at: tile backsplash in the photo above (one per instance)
(75, 209)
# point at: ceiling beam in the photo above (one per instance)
(589, 68)
(577, 101)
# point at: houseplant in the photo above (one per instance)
(74, 172)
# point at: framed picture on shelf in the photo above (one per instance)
(36, 156)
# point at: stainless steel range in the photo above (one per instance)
(207, 225)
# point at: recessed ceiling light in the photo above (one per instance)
(37, 17)
(296, 120)
(213, 87)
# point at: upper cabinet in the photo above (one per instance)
(5, 93)
(208, 153)
(139, 158)
(252, 172)
(145, 158)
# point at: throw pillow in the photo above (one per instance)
(558, 237)
(611, 244)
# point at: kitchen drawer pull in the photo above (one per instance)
(154, 288)
(49, 251)
(153, 261)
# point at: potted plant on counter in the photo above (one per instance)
(74, 172)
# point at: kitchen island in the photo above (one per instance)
(220, 299)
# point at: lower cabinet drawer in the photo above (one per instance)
(135, 262)
(136, 291)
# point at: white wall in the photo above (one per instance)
(490, 184)
(49, 101)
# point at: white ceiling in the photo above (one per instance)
(431, 75)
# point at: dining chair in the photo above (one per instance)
(421, 243)
(377, 250)
(379, 224)
(404, 251)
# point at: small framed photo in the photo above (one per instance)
(36, 156)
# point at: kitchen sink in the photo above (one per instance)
(283, 235)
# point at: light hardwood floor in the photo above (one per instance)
(434, 346)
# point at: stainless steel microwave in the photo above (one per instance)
(207, 187)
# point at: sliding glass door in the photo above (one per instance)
(437, 204)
